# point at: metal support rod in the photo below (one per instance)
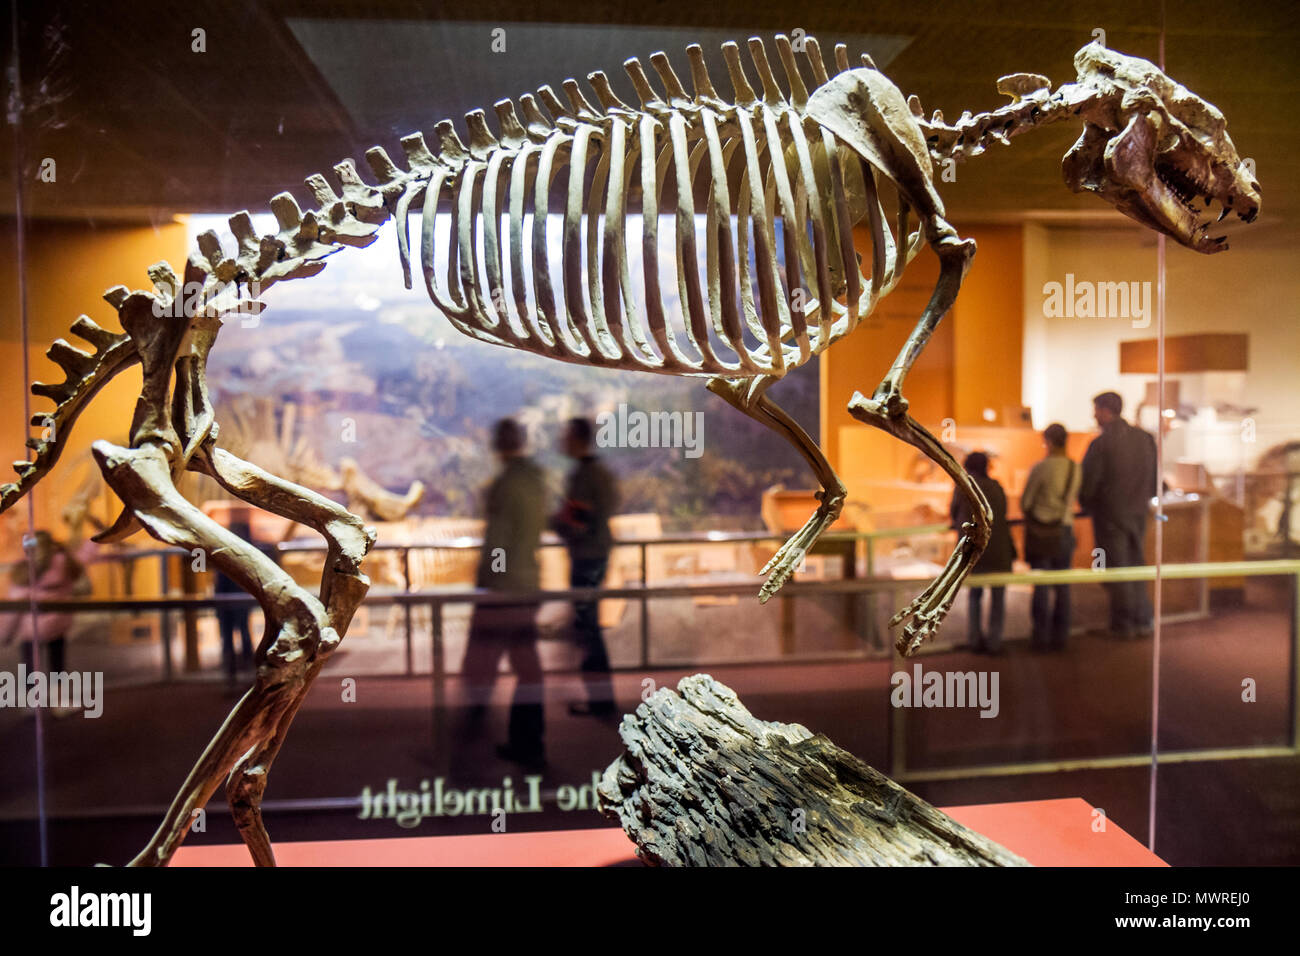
(164, 621)
(164, 624)
(897, 729)
(439, 676)
(406, 587)
(645, 629)
(873, 626)
(1295, 662)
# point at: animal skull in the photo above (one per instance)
(1152, 148)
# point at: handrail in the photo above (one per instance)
(436, 599)
(1213, 569)
(470, 543)
(1144, 572)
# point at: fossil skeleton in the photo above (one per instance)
(804, 164)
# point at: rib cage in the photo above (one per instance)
(747, 322)
(761, 160)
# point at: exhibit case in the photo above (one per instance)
(676, 434)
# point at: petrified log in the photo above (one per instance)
(705, 783)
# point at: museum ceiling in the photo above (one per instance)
(142, 127)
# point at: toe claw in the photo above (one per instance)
(922, 622)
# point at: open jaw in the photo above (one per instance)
(1186, 207)
(1156, 151)
(1176, 192)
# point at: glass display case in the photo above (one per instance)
(134, 135)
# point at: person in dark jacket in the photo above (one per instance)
(231, 619)
(1119, 481)
(590, 497)
(998, 556)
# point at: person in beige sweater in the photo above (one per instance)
(1048, 503)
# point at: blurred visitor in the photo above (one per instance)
(516, 515)
(1119, 481)
(1048, 505)
(49, 573)
(590, 497)
(230, 619)
(998, 556)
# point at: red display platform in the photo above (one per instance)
(1044, 832)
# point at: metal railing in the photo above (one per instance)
(833, 540)
(847, 544)
(438, 600)
(1167, 572)
(829, 542)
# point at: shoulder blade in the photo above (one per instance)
(868, 112)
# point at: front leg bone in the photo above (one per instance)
(928, 610)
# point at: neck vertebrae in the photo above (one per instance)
(1033, 104)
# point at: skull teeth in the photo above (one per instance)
(1186, 188)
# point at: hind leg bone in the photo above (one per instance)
(749, 396)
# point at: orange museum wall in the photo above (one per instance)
(972, 362)
(69, 265)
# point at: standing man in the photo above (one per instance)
(1119, 481)
(516, 514)
(1048, 505)
(590, 497)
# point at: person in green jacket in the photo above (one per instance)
(516, 514)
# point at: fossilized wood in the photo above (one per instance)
(705, 783)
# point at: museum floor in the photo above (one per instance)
(108, 779)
